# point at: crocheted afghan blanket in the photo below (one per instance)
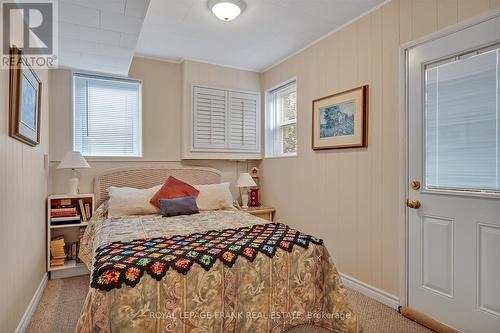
(126, 262)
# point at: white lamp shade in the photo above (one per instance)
(73, 160)
(245, 180)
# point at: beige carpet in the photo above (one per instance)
(60, 305)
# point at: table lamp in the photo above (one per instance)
(244, 182)
(73, 160)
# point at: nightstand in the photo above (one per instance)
(262, 211)
(67, 218)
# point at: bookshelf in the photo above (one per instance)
(65, 220)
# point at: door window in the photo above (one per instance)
(462, 122)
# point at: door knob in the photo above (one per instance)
(415, 204)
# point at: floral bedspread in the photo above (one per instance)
(264, 295)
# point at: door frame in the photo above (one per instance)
(404, 140)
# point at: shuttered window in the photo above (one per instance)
(210, 118)
(226, 121)
(243, 121)
(106, 116)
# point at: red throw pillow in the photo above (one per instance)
(173, 188)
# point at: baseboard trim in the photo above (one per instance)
(370, 291)
(25, 320)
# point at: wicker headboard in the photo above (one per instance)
(146, 177)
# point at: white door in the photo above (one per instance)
(453, 87)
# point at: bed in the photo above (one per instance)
(266, 292)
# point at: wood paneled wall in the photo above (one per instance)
(23, 189)
(350, 197)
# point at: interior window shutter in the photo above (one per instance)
(243, 121)
(209, 118)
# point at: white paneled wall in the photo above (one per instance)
(23, 188)
(350, 197)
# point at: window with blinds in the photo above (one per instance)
(226, 121)
(106, 116)
(462, 119)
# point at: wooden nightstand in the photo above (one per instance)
(262, 211)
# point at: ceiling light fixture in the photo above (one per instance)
(226, 10)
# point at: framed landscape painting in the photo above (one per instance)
(24, 100)
(341, 120)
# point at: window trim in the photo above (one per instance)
(272, 134)
(105, 158)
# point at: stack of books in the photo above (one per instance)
(64, 212)
(57, 251)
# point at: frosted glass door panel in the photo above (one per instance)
(462, 123)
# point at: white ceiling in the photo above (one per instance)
(99, 35)
(267, 31)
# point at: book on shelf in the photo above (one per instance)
(64, 213)
(88, 211)
(72, 249)
(56, 207)
(59, 220)
(57, 252)
(55, 262)
(82, 210)
(61, 202)
(78, 260)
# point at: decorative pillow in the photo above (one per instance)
(214, 196)
(178, 206)
(125, 201)
(173, 188)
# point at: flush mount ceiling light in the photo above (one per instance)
(226, 10)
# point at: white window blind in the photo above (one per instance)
(281, 121)
(243, 120)
(463, 122)
(106, 116)
(210, 124)
(225, 121)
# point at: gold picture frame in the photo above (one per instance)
(25, 94)
(341, 120)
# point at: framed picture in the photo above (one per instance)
(24, 100)
(341, 120)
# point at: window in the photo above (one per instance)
(462, 121)
(225, 120)
(281, 121)
(106, 116)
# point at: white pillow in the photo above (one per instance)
(214, 196)
(125, 201)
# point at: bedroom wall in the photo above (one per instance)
(23, 189)
(350, 197)
(162, 87)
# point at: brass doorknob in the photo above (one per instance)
(415, 204)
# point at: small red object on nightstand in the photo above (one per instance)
(254, 197)
(254, 192)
